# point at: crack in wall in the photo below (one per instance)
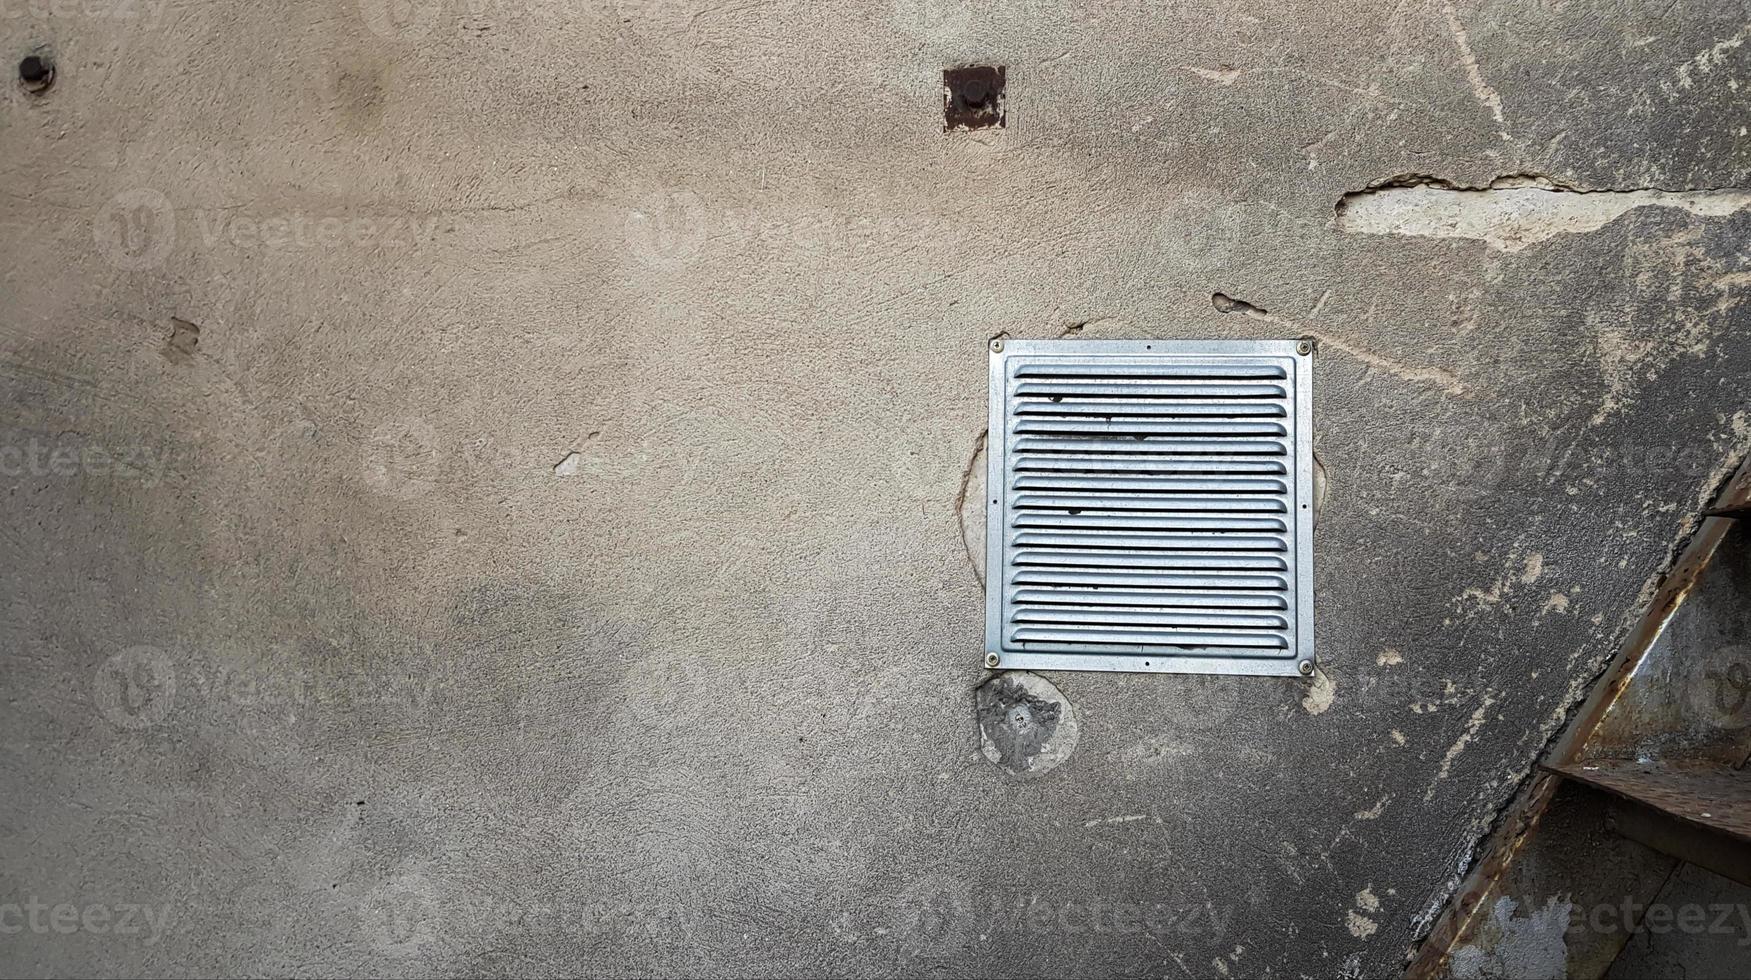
(1439, 377)
(972, 467)
(1514, 211)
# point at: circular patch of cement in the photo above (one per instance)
(1026, 725)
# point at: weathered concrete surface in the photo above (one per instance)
(1702, 930)
(352, 665)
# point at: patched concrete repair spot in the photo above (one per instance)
(1512, 212)
(1026, 725)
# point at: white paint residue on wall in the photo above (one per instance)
(1486, 95)
(1472, 725)
(1319, 696)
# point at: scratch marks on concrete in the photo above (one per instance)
(1710, 59)
(1445, 380)
(1513, 212)
(1472, 724)
(1221, 76)
(1441, 378)
(1106, 821)
(1486, 95)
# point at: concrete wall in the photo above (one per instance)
(349, 663)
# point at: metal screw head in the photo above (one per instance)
(1305, 347)
(992, 660)
(1306, 668)
(997, 345)
(36, 72)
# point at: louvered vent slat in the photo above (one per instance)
(1149, 506)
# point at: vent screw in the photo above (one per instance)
(992, 659)
(1306, 668)
(997, 345)
(1305, 347)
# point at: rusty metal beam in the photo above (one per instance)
(1729, 857)
(1713, 800)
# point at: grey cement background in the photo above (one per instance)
(334, 672)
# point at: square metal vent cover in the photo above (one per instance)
(1150, 506)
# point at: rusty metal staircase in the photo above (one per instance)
(1649, 780)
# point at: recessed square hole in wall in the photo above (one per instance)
(972, 97)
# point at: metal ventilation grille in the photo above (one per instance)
(1150, 507)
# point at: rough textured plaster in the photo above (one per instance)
(307, 641)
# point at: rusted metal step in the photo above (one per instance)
(1701, 814)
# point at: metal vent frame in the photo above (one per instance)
(1297, 656)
